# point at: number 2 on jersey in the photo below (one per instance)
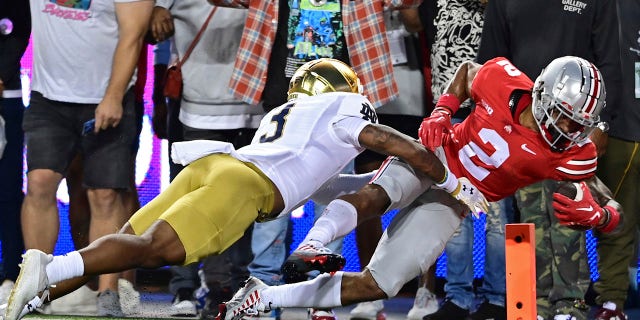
(496, 159)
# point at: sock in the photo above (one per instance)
(65, 267)
(337, 220)
(321, 292)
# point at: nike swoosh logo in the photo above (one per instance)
(525, 148)
(589, 208)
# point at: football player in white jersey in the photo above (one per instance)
(299, 148)
(518, 133)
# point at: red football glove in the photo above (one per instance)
(435, 128)
(583, 214)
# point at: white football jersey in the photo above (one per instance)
(303, 143)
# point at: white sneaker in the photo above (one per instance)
(184, 308)
(31, 280)
(82, 301)
(564, 317)
(5, 291)
(246, 302)
(370, 310)
(129, 297)
(425, 303)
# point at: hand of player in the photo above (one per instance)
(580, 214)
(468, 194)
(434, 128)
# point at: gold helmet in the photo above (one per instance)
(322, 76)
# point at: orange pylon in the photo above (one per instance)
(520, 258)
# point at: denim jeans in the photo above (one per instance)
(270, 248)
(269, 245)
(11, 188)
(459, 250)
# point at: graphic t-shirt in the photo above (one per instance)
(73, 46)
(315, 31)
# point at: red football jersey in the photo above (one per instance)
(495, 152)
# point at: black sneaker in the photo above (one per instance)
(307, 258)
(448, 311)
(488, 311)
(214, 298)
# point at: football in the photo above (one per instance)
(570, 190)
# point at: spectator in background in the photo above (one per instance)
(67, 95)
(15, 28)
(266, 61)
(582, 29)
(207, 111)
(619, 170)
(84, 300)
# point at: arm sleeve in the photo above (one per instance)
(340, 185)
(348, 129)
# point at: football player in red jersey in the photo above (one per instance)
(520, 132)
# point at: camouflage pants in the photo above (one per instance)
(562, 271)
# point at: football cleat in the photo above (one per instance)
(31, 280)
(308, 258)
(246, 302)
(321, 314)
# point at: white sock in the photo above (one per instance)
(65, 267)
(337, 220)
(321, 292)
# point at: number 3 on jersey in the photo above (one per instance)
(280, 119)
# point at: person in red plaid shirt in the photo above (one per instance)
(362, 31)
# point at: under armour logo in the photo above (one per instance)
(464, 188)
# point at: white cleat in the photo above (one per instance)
(246, 302)
(31, 280)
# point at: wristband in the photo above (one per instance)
(450, 183)
(441, 109)
(448, 101)
(613, 218)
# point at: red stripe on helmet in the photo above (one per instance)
(595, 89)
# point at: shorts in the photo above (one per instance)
(210, 204)
(406, 124)
(53, 136)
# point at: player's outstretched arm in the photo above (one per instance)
(595, 208)
(386, 140)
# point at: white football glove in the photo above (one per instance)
(464, 191)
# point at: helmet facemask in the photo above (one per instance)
(568, 89)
